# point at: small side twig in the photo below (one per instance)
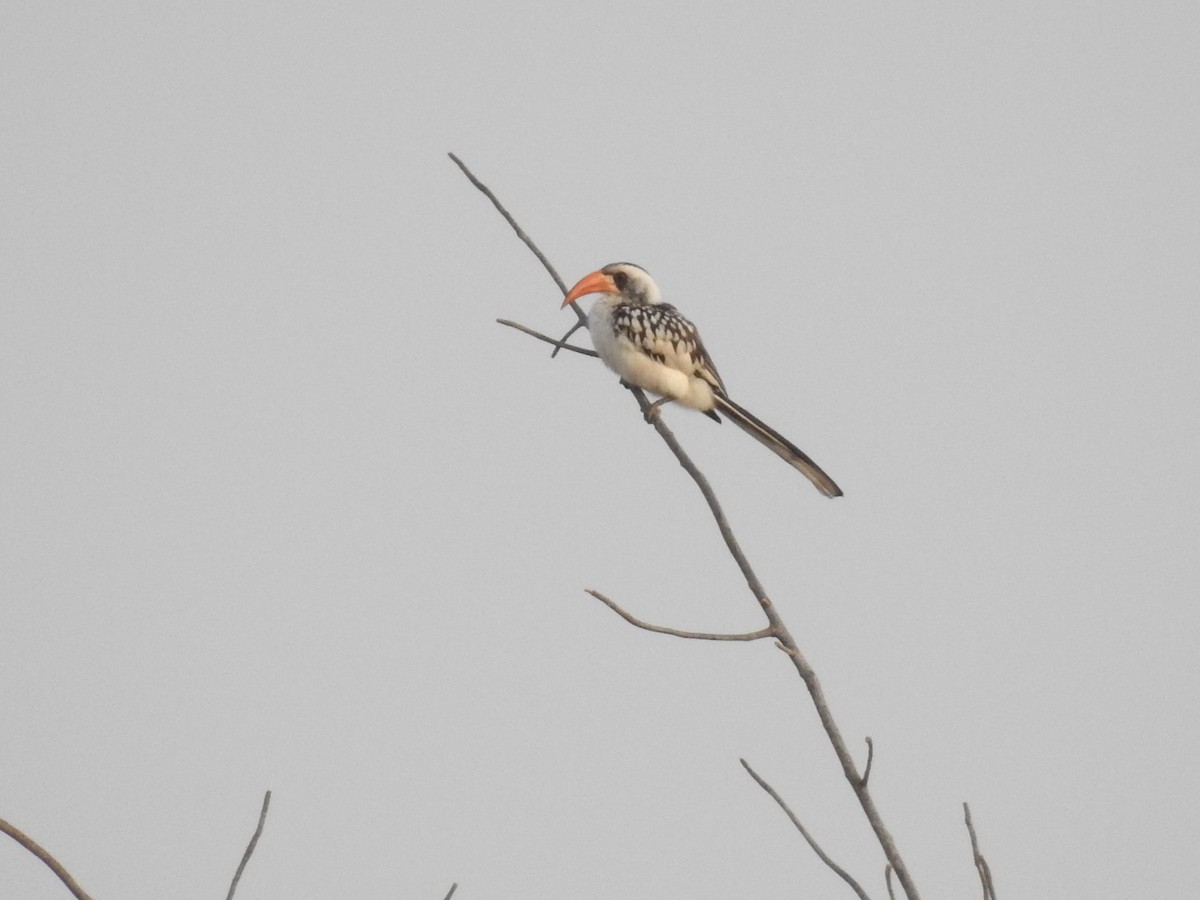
(675, 632)
(887, 877)
(562, 341)
(985, 872)
(870, 759)
(549, 340)
(262, 817)
(41, 853)
(453, 888)
(821, 854)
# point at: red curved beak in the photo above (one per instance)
(595, 283)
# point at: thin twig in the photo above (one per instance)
(547, 339)
(777, 626)
(562, 341)
(674, 632)
(41, 853)
(821, 854)
(453, 888)
(520, 232)
(985, 871)
(262, 817)
(870, 759)
(887, 877)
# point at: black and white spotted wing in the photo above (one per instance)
(659, 331)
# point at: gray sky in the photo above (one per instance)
(281, 506)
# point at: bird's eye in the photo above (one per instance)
(620, 279)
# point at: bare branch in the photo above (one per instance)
(870, 759)
(887, 877)
(693, 635)
(520, 233)
(788, 645)
(453, 888)
(849, 770)
(710, 498)
(562, 341)
(985, 872)
(547, 339)
(821, 854)
(777, 627)
(53, 864)
(262, 817)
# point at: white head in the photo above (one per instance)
(628, 281)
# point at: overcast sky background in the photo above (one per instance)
(282, 507)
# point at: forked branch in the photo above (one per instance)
(776, 627)
(558, 344)
(981, 866)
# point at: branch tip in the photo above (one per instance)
(675, 632)
(262, 818)
(487, 192)
(981, 865)
(816, 848)
(546, 338)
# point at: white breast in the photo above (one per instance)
(636, 367)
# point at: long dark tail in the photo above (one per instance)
(781, 446)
